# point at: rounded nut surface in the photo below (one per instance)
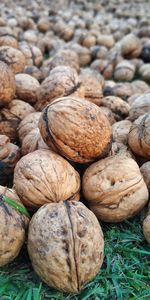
(13, 58)
(140, 106)
(114, 188)
(26, 87)
(28, 123)
(145, 170)
(20, 108)
(120, 131)
(77, 128)
(65, 245)
(32, 141)
(44, 176)
(7, 84)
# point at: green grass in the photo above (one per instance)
(125, 274)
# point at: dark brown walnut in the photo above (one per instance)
(146, 226)
(124, 71)
(144, 71)
(117, 105)
(20, 108)
(103, 66)
(8, 40)
(13, 58)
(120, 131)
(12, 227)
(28, 123)
(7, 84)
(145, 170)
(131, 46)
(65, 57)
(70, 254)
(9, 124)
(32, 54)
(63, 81)
(32, 141)
(76, 128)
(114, 188)
(26, 87)
(140, 106)
(139, 136)
(43, 176)
(9, 155)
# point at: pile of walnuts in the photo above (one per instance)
(74, 125)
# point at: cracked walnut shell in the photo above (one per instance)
(65, 245)
(76, 128)
(44, 176)
(114, 188)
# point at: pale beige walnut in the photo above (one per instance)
(103, 66)
(105, 40)
(76, 128)
(89, 40)
(109, 114)
(146, 226)
(66, 57)
(124, 71)
(43, 24)
(14, 58)
(20, 108)
(62, 81)
(117, 105)
(13, 225)
(65, 245)
(8, 40)
(9, 155)
(9, 124)
(44, 176)
(28, 123)
(120, 131)
(114, 188)
(32, 54)
(120, 149)
(139, 136)
(26, 87)
(144, 71)
(36, 72)
(145, 170)
(83, 53)
(131, 46)
(122, 90)
(32, 141)
(7, 84)
(140, 106)
(140, 86)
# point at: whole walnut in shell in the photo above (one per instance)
(139, 136)
(13, 225)
(8, 40)
(13, 58)
(26, 87)
(7, 84)
(32, 54)
(76, 128)
(62, 81)
(65, 57)
(44, 176)
(28, 123)
(145, 170)
(9, 124)
(144, 71)
(20, 108)
(32, 141)
(114, 188)
(120, 131)
(131, 46)
(124, 71)
(70, 254)
(117, 105)
(140, 106)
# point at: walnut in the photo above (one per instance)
(32, 54)
(7, 84)
(140, 106)
(114, 188)
(120, 149)
(28, 123)
(70, 254)
(117, 105)
(145, 170)
(20, 108)
(77, 128)
(13, 225)
(104, 67)
(9, 155)
(32, 141)
(144, 71)
(121, 130)
(30, 36)
(139, 136)
(39, 74)
(98, 52)
(9, 124)
(140, 86)
(8, 40)
(13, 58)
(65, 57)
(109, 114)
(84, 54)
(124, 71)
(64, 31)
(62, 81)
(131, 46)
(122, 90)
(105, 40)
(88, 40)
(43, 24)
(44, 176)
(26, 87)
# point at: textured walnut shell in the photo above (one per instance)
(140, 86)
(7, 84)
(20, 108)
(32, 54)
(146, 226)
(27, 124)
(26, 87)
(9, 124)
(109, 114)
(122, 90)
(103, 66)
(145, 170)
(65, 58)
(84, 54)
(76, 128)
(144, 71)
(140, 106)
(114, 188)
(62, 81)
(8, 40)
(13, 58)
(43, 176)
(32, 141)
(12, 228)
(36, 72)
(70, 254)
(89, 40)
(105, 40)
(117, 105)
(98, 52)
(120, 149)
(131, 46)
(124, 71)
(120, 131)
(139, 136)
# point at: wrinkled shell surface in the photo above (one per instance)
(12, 228)
(117, 105)
(124, 71)
(26, 87)
(13, 58)
(9, 124)
(66, 245)
(140, 106)
(120, 131)
(77, 129)
(145, 170)
(43, 176)
(32, 141)
(7, 84)
(114, 188)
(20, 108)
(28, 123)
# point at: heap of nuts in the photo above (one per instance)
(72, 93)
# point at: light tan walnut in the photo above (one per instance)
(9, 124)
(120, 131)
(32, 141)
(13, 58)
(7, 84)
(140, 106)
(20, 108)
(26, 87)
(27, 124)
